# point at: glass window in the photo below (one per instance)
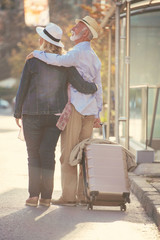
(144, 70)
(145, 49)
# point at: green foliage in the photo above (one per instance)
(17, 61)
(7, 4)
(29, 43)
(18, 55)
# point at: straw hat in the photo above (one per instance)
(52, 33)
(91, 24)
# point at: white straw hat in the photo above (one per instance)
(91, 24)
(52, 33)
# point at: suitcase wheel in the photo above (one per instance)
(128, 200)
(123, 207)
(126, 197)
(90, 206)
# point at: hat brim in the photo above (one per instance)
(94, 33)
(40, 32)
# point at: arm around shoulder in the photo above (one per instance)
(66, 60)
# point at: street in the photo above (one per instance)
(18, 222)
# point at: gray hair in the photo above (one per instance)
(89, 35)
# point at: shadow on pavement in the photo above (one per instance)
(18, 221)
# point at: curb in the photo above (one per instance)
(147, 195)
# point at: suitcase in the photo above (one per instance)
(105, 176)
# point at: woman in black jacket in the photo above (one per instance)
(40, 100)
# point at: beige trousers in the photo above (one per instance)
(78, 128)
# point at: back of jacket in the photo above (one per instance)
(47, 92)
(43, 88)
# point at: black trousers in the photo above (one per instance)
(41, 136)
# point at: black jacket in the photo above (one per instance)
(43, 88)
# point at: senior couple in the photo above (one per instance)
(58, 94)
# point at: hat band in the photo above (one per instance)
(50, 36)
(86, 22)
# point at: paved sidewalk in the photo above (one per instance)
(57, 222)
(145, 184)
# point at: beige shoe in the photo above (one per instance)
(33, 201)
(61, 201)
(45, 202)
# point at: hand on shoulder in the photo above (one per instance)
(29, 56)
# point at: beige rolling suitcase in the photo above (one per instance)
(105, 176)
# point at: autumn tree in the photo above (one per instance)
(64, 14)
(12, 28)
